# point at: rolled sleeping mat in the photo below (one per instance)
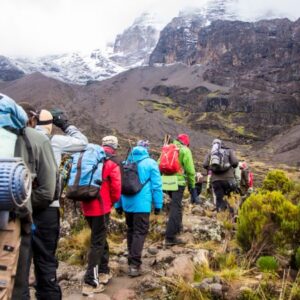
(15, 183)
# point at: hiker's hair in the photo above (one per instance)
(30, 110)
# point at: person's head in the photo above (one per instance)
(110, 141)
(31, 112)
(143, 143)
(243, 165)
(184, 139)
(46, 121)
(217, 141)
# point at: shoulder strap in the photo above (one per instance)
(22, 132)
(28, 146)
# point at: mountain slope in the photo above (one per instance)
(8, 70)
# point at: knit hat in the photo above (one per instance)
(184, 139)
(46, 120)
(143, 143)
(111, 141)
(217, 141)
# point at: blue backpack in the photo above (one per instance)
(86, 174)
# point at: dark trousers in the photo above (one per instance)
(175, 214)
(21, 289)
(137, 229)
(44, 245)
(44, 240)
(222, 188)
(98, 256)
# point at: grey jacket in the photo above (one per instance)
(73, 141)
(227, 175)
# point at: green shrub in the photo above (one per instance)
(294, 194)
(269, 217)
(277, 180)
(267, 264)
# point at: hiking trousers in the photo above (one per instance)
(10, 239)
(222, 188)
(137, 230)
(98, 256)
(44, 244)
(175, 214)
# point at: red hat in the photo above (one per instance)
(184, 139)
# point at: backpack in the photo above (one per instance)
(250, 179)
(15, 177)
(131, 183)
(219, 159)
(169, 160)
(86, 174)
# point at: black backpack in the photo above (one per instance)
(131, 183)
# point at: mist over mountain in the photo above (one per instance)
(131, 48)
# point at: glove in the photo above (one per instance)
(157, 211)
(61, 122)
(119, 211)
(194, 195)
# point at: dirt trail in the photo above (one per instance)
(117, 283)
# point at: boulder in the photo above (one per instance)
(164, 256)
(182, 266)
(200, 258)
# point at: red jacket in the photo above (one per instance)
(110, 191)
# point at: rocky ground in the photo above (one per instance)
(166, 271)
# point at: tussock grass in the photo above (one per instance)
(74, 249)
(181, 290)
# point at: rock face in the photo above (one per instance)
(8, 70)
(135, 44)
(179, 38)
(258, 62)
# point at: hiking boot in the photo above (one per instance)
(134, 271)
(174, 241)
(104, 278)
(89, 290)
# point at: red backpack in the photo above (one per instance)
(250, 180)
(169, 160)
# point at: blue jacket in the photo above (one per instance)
(152, 190)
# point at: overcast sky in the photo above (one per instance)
(38, 27)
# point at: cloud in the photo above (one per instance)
(38, 27)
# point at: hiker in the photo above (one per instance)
(97, 213)
(36, 151)
(137, 207)
(45, 233)
(15, 222)
(221, 161)
(244, 178)
(184, 176)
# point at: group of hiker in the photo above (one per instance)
(31, 185)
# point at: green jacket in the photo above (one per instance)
(43, 166)
(187, 164)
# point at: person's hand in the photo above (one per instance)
(119, 211)
(157, 211)
(61, 122)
